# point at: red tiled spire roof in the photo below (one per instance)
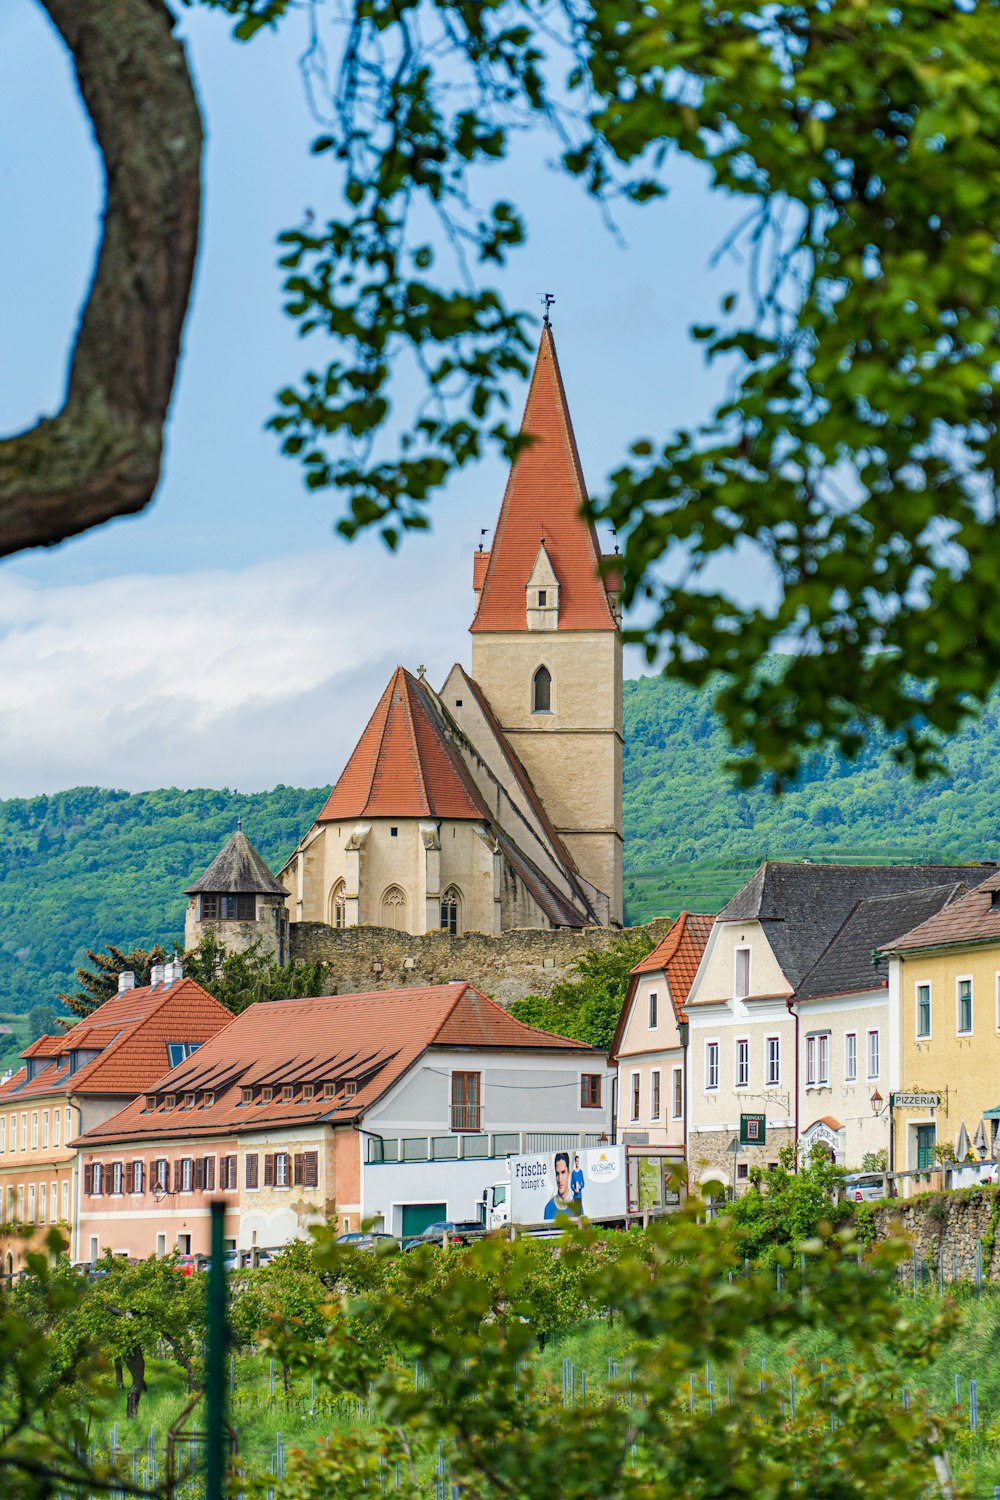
(544, 494)
(401, 767)
(677, 955)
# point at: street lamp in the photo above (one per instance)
(878, 1105)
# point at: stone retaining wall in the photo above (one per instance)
(507, 967)
(949, 1226)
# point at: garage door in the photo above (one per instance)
(417, 1216)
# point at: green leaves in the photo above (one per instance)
(855, 456)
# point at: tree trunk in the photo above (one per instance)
(100, 456)
(135, 1363)
(119, 1375)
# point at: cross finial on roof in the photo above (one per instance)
(546, 299)
(421, 672)
(482, 532)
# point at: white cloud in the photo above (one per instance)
(216, 678)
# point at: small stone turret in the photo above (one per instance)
(239, 900)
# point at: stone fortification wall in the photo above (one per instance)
(946, 1226)
(507, 967)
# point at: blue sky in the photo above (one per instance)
(227, 636)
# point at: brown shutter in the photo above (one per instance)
(269, 1171)
(130, 1177)
(199, 1173)
(251, 1170)
(299, 1169)
(210, 1174)
(88, 1178)
(311, 1164)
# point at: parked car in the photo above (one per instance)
(454, 1231)
(860, 1186)
(362, 1239)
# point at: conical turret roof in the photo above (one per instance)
(238, 870)
(543, 498)
(402, 767)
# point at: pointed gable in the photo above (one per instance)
(545, 491)
(402, 767)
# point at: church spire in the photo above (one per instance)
(545, 492)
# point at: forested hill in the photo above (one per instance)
(87, 867)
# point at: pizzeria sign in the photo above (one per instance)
(914, 1101)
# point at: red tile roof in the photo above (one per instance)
(677, 955)
(544, 495)
(370, 1039)
(401, 767)
(130, 1033)
(970, 919)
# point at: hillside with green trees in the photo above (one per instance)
(88, 867)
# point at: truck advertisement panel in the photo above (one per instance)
(572, 1184)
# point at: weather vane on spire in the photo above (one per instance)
(546, 299)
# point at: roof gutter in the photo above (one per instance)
(790, 1007)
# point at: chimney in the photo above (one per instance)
(155, 975)
(173, 971)
(126, 981)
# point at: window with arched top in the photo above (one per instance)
(338, 905)
(394, 909)
(451, 911)
(541, 691)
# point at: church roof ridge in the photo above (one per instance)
(401, 766)
(542, 500)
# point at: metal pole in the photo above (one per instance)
(215, 1362)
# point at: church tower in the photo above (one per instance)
(546, 641)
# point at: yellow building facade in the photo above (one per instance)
(945, 999)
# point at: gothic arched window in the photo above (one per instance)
(338, 905)
(451, 911)
(394, 909)
(541, 691)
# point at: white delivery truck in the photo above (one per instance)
(602, 1184)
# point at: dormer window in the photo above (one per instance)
(170, 1101)
(329, 1091)
(190, 1100)
(288, 1092)
(150, 1101)
(267, 1095)
(542, 596)
(246, 1096)
(308, 1090)
(350, 1088)
(207, 1099)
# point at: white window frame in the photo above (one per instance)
(635, 1097)
(24, 1131)
(138, 1175)
(743, 948)
(850, 1057)
(655, 1094)
(282, 1177)
(53, 1201)
(772, 1053)
(873, 1054)
(45, 1130)
(741, 1063)
(712, 1066)
(969, 1030)
(652, 1011)
(818, 1060)
(116, 1179)
(65, 1199)
(34, 1130)
(677, 1093)
(31, 1203)
(56, 1129)
(925, 1036)
(3, 1133)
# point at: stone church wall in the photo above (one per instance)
(506, 967)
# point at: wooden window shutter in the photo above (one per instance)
(269, 1171)
(88, 1178)
(130, 1177)
(199, 1173)
(311, 1164)
(210, 1174)
(299, 1170)
(250, 1169)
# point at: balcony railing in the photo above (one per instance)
(465, 1116)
